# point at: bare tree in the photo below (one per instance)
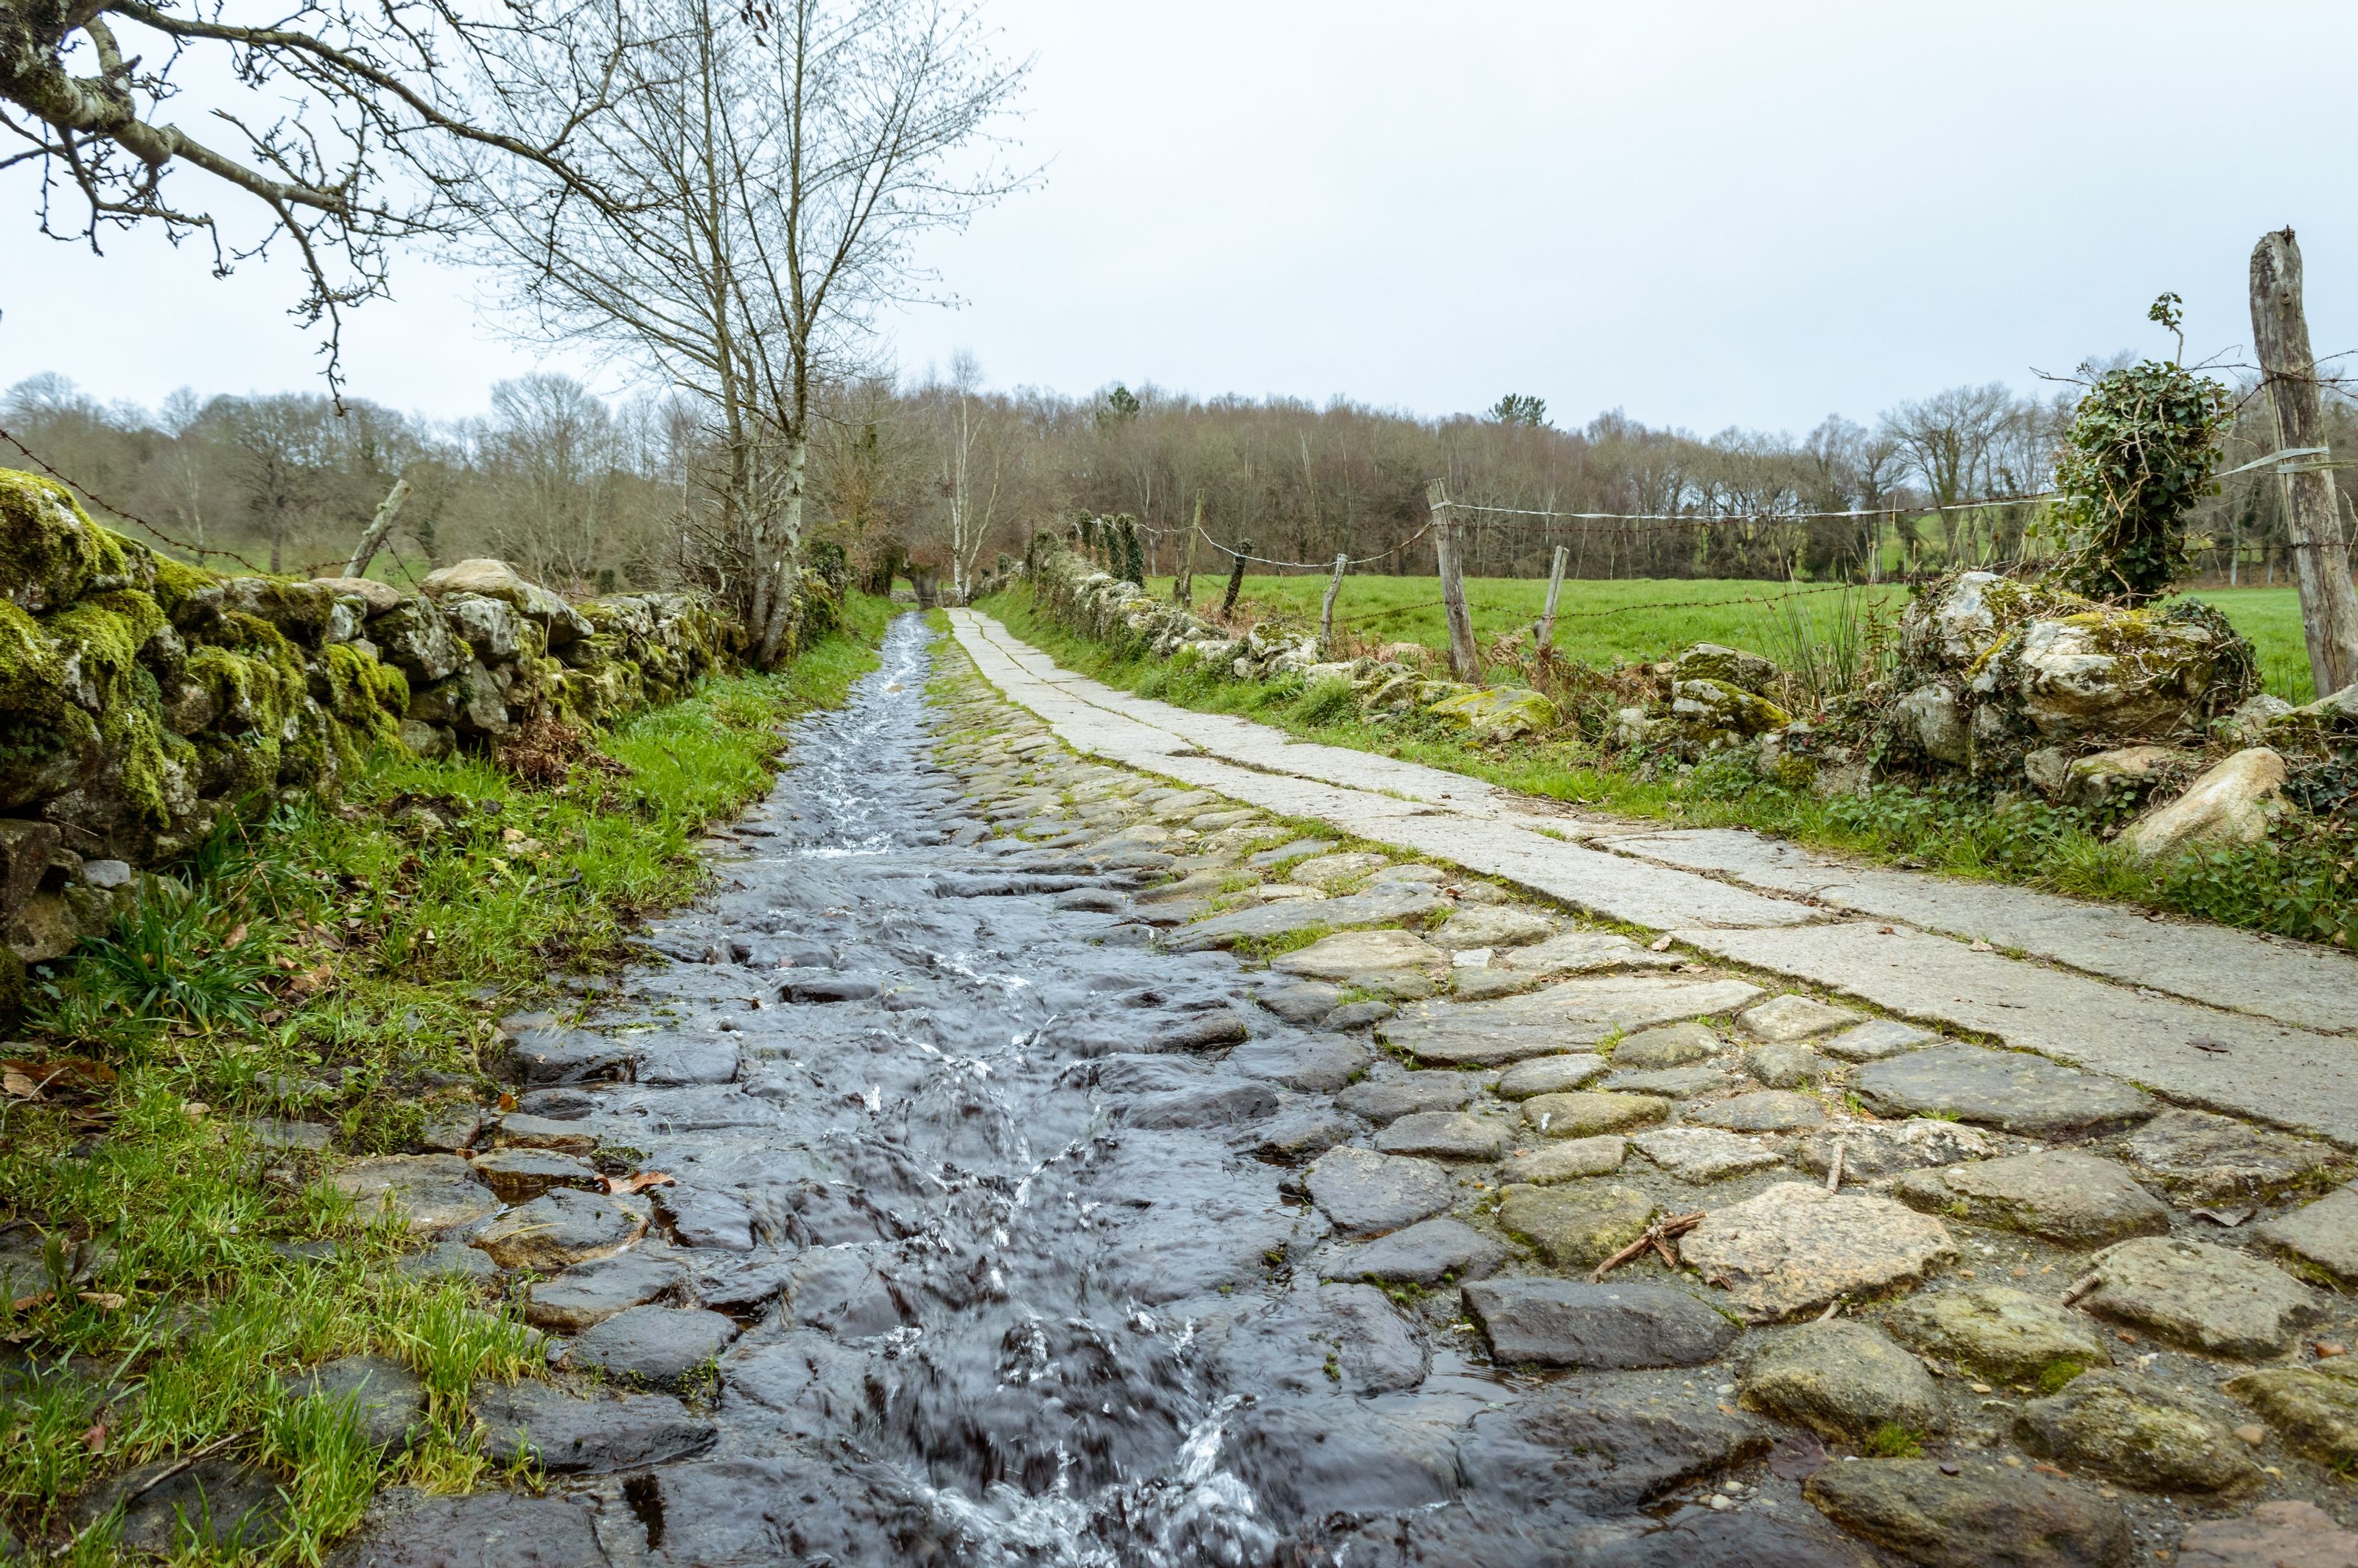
(1947, 440)
(764, 175)
(347, 122)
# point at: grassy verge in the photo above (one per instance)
(2306, 887)
(1638, 620)
(165, 1269)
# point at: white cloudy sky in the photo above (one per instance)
(1705, 213)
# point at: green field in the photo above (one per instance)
(1636, 620)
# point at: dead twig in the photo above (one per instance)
(2081, 1287)
(1658, 1237)
(1834, 1170)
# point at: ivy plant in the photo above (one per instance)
(2138, 456)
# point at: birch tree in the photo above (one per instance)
(763, 178)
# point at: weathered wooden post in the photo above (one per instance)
(1235, 579)
(1182, 587)
(2329, 605)
(1326, 610)
(1544, 643)
(372, 539)
(1463, 661)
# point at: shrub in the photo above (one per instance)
(2138, 457)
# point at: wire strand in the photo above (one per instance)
(200, 551)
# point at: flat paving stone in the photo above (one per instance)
(1326, 870)
(544, 1055)
(216, 1501)
(1301, 1003)
(2136, 1432)
(1486, 984)
(2324, 1233)
(1796, 1248)
(1567, 1160)
(1349, 954)
(2285, 1534)
(2224, 1061)
(1495, 925)
(1762, 1111)
(1550, 1075)
(2008, 1089)
(388, 1402)
(1669, 1082)
(1547, 1021)
(1293, 849)
(1843, 1380)
(1586, 1113)
(1705, 1153)
(1577, 1225)
(1875, 1039)
(588, 1293)
(1444, 1135)
(1982, 1517)
(519, 1175)
(560, 1229)
(518, 1131)
(655, 1345)
(2213, 1299)
(1540, 1321)
(1303, 1135)
(1614, 1441)
(1424, 1253)
(1872, 1150)
(1668, 1045)
(2217, 1159)
(1789, 1017)
(278, 1135)
(489, 1530)
(1368, 1194)
(1584, 951)
(2062, 1195)
(430, 1192)
(2004, 1334)
(1376, 906)
(570, 1435)
(2313, 1408)
(1785, 1066)
(1391, 1098)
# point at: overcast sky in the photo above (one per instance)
(1704, 214)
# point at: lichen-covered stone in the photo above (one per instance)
(1497, 713)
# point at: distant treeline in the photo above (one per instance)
(945, 475)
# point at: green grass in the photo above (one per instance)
(356, 949)
(2306, 888)
(1636, 621)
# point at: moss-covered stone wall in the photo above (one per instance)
(141, 698)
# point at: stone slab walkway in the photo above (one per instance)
(2210, 1017)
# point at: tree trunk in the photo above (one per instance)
(2329, 605)
(787, 553)
(1465, 661)
(373, 538)
(1235, 579)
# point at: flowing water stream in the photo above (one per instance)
(1000, 1200)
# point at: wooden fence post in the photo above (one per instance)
(1465, 662)
(1182, 587)
(1326, 610)
(1235, 579)
(2329, 605)
(1544, 644)
(372, 539)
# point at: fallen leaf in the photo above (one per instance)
(195, 1109)
(27, 1304)
(94, 1439)
(105, 1301)
(507, 1101)
(2048, 1470)
(617, 1185)
(1659, 944)
(16, 1085)
(236, 935)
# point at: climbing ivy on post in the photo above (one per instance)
(2138, 456)
(1133, 551)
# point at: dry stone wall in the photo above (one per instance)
(141, 698)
